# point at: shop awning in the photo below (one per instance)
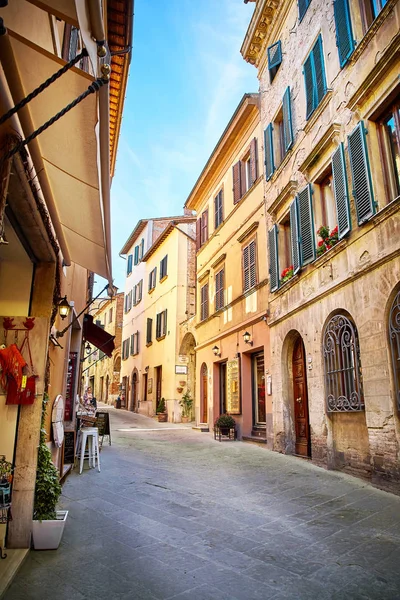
(97, 336)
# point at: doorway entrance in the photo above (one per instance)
(300, 395)
(259, 409)
(204, 394)
(158, 384)
(222, 388)
(134, 391)
(144, 387)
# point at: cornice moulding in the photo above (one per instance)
(288, 191)
(203, 275)
(248, 232)
(219, 260)
(329, 138)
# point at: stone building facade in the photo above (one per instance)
(330, 97)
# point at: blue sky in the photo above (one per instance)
(187, 76)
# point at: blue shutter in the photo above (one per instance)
(309, 86)
(129, 267)
(306, 226)
(136, 255)
(344, 32)
(319, 71)
(287, 120)
(361, 174)
(303, 5)
(269, 152)
(340, 192)
(273, 258)
(294, 235)
(274, 54)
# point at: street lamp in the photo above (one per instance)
(216, 351)
(247, 338)
(63, 308)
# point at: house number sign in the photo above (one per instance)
(233, 387)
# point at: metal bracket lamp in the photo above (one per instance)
(62, 306)
(247, 338)
(216, 351)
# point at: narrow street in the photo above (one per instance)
(175, 514)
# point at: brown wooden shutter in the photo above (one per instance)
(253, 160)
(245, 268)
(204, 217)
(219, 289)
(236, 182)
(243, 179)
(198, 234)
(253, 264)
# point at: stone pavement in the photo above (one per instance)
(174, 514)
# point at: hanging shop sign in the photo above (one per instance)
(233, 399)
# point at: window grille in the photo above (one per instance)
(394, 339)
(342, 366)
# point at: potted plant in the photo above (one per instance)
(48, 523)
(162, 411)
(186, 403)
(225, 426)
(287, 274)
(328, 239)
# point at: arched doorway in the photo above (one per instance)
(204, 393)
(134, 391)
(300, 396)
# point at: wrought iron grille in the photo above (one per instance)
(342, 366)
(394, 337)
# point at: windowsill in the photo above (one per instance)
(152, 289)
(287, 285)
(372, 29)
(313, 118)
(329, 254)
(160, 338)
(385, 212)
(163, 278)
(282, 165)
(148, 344)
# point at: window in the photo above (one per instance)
(314, 77)
(342, 367)
(134, 343)
(285, 250)
(218, 209)
(361, 174)
(110, 315)
(163, 267)
(245, 172)
(161, 325)
(278, 136)
(249, 266)
(344, 32)
(137, 292)
(70, 42)
(273, 258)
(136, 255)
(141, 249)
(324, 202)
(370, 9)
(303, 5)
(125, 349)
(274, 53)
(128, 301)
(394, 339)
(390, 143)
(204, 227)
(219, 289)
(204, 302)
(152, 279)
(129, 265)
(149, 331)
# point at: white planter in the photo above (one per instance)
(47, 534)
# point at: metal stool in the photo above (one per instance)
(91, 436)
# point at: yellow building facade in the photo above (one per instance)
(330, 98)
(232, 338)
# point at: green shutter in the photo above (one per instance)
(344, 32)
(273, 258)
(309, 86)
(287, 120)
(361, 174)
(269, 152)
(303, 5)
(306, 226)
(274, 55)
(340, 192)
(294, 235)
(319, 72)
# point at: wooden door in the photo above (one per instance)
(134, 392)
(158, 383)
(204, 395)
(302, 425)
(144, 387)
(222, 387)
(259, 409)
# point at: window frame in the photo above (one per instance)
(204, 301)
(317, 48)
(391, 180)
(149, 331)
(219, 209)
(161, 325)
(220, 291)
(254, 264)
(152, 279)
(164, 268)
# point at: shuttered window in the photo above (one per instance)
(344, 32)
(152, 279)
(219, 289)
(135, 343)
(204, 227)
(198, 234)
(361, 174)
(253, 162)
(274, 53)
(287, 121)
(125, 349)
(249, 266)
(204, 302)
(303, 5)
(306, 226)
(236, 174)
(164, 267)
(294, 235)
(161, 324)
(340, 192)
(218, 209)
(129, 266)
(273, 258)
(314, 77)
(141, 252)
(149, 331)
(269, 152)
(136, 251)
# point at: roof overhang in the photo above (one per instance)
(261, 24)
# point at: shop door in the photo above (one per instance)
(204, 395)
(145, 387)
(259, 390)
(158, 384)
(302, 425)
(222, 387)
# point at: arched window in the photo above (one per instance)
(394, 338)
(342, 366)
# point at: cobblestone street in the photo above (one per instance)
(174, 514)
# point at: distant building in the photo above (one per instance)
(330, 97)
(159, 294)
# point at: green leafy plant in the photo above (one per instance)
(225, 421)
(48, 488)
(329, 239)
(161, 408)
(186, 403)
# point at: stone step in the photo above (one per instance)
(202, 427)
(255, 439)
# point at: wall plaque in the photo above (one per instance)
(233, 400)
(181, 369)
(150, 386)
